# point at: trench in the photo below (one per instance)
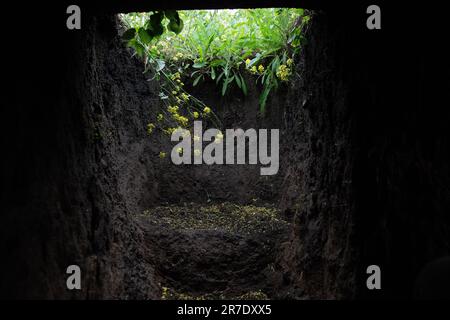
(216, 231)
(363, 178)
(228, 232)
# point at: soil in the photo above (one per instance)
(213, 251)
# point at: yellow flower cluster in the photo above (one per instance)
(165, 293)
(289, 62)
(150, 128)
(162, 155)
(172, 110)
(155, 49)
(255, 70)
(283, 72)
(185, 96)
(183, 121)
(207, 110)
(177, 57)
(196, 114)
(169, 131)
(160, 117)
(176, 76)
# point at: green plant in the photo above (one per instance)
(221, 45)
(144, 27)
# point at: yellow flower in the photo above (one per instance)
(160, 117)
(196, 115)
(162, 155)
(169, 131)
(174, 92)
(185, 96)
(261, 68)
(289, 62)
(173, 110)
(180, 119)
(175, 76)
(253, 70)
(283, 72)
(206, 110)
(165, 293)
(150, 128)
(247, 62)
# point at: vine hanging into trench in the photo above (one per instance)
(213, 45)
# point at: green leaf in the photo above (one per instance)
(244, 85)
(238, 82)
(220, 77)
(171, 14)
(156, 18)
(197, 80)
(129, 34)
(263, 99)
(217, 62)
(155, 27)
(175, 26)
(275, 64)
(224, 87)
(144, 36)
(195, 72)
(226, 82)
(254, 60)
(175, 23)
(160, 65)
(199, 65)
(140, 50)
(211, 38)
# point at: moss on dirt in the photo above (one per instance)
(172, 294)
(229, 217)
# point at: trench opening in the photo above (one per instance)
(216, 229)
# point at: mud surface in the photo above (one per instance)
(215, 251)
